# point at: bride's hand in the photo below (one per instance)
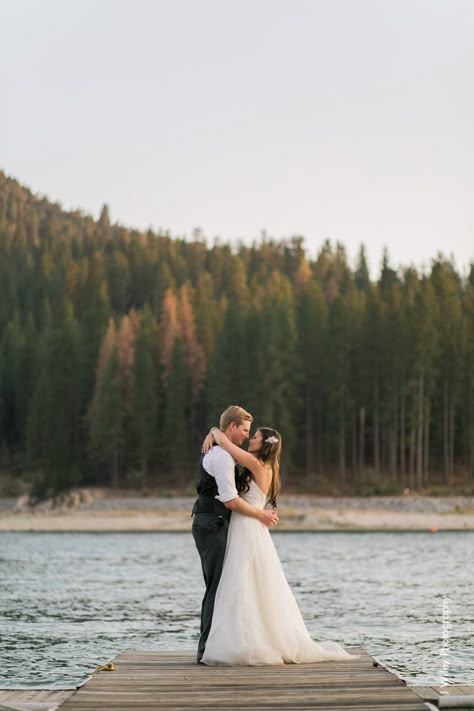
(269, 518)
(208, 443)
(217, 434)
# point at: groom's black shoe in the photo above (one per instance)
(199, 657)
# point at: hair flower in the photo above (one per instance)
(272, 439)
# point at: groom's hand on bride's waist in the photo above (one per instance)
(269, 517)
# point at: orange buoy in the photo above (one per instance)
(433, 529)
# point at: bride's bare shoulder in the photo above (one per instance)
(263, 477)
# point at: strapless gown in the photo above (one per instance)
(256, 619)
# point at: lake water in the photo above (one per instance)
(71, 601)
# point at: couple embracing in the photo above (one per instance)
(249, 615)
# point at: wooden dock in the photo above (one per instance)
(173, 680)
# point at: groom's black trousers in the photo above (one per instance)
(210, 536)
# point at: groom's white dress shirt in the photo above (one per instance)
(219, 464)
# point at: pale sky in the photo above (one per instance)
(344, 119)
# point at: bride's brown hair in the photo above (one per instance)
(269, 454)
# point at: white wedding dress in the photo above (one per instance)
(256, 619)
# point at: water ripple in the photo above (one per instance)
(71, 601)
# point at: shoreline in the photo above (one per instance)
(297, 513)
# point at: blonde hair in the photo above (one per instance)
(236, 414)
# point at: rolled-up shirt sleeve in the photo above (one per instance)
(219, 464)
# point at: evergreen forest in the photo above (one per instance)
(120, 348)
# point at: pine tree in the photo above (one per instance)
(447, 286)
(339, 369)
(228, 375)
(54, 417)
(275, 372)
(107, 418)
(144, 418)
(118, 280)
(468, 378)
(312, 331)
(361, 276)
(177, 454)
(103, 224)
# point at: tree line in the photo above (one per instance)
(120, 348)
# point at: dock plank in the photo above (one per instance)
(33, 699)
(172, 680)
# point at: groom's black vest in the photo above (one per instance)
(207, 490)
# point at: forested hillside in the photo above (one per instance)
(118, 349)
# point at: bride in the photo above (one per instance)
(256, 619)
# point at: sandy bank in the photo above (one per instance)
(294, 516)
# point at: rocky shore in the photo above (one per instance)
(85, 510)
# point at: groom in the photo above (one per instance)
(217, 498)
